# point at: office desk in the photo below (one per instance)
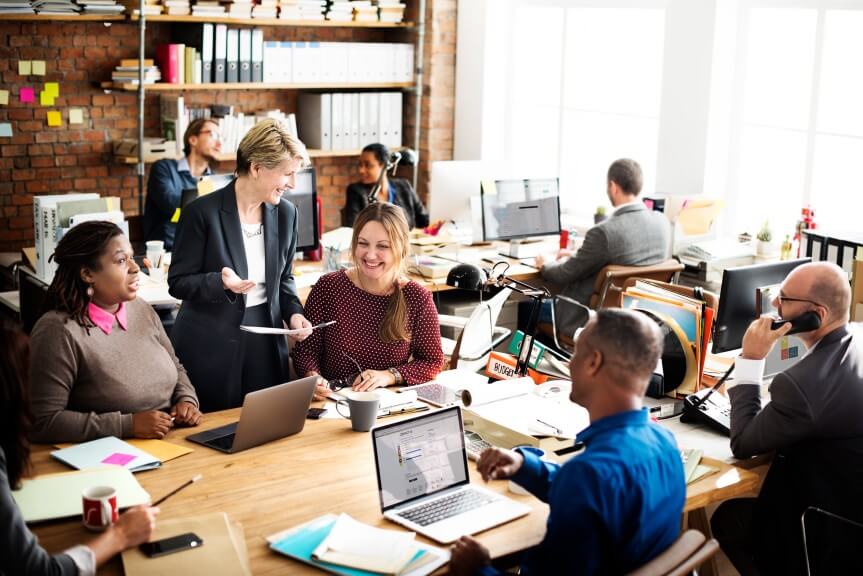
(325, 468)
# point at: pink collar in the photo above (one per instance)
(105, 320)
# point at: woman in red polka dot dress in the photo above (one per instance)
(385, 323)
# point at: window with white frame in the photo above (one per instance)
(584, 90)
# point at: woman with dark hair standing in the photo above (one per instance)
(102, 362)
(232, 266)
(20, 553)
(398, 191)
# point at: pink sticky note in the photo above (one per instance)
(118, 458)
(27, 95)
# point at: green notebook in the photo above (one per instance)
(691, 458)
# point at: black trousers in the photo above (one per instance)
(731, 525)
(261, 365)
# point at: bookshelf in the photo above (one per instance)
(164, 87)
(415, 86)
(62, 18)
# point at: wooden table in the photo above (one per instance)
(325, 468)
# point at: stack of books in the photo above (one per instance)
(364, 11)
(391, 11)
(240, 9)
(151, 7)
(101, 7)
(340, 11)
(15, 7)
(266, 9)
(208, 8)
(177, 7)
(58, 7)
(126, 72)
(303, 9)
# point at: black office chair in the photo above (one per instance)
(825, 525)
(32, 292)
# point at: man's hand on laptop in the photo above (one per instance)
(185, 414)
(497, 463)
(152, 424)
(468, 556)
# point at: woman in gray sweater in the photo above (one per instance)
(102, 363)
(20, 553)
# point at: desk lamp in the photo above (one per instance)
(472, 277)
(407, 157)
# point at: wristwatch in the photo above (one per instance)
(397, 375)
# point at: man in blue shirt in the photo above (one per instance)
(618, 504)
(168, 178)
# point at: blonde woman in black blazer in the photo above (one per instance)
(232, 266)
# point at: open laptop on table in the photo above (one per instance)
(267, 415)
(423, 479)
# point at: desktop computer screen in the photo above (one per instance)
(514, 209)
(453, 183)
(305, 197)
(737, 299)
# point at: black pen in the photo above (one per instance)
(169, 494)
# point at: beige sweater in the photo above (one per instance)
(86, 386)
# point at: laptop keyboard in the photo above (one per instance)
(447, 507)
(224, 442)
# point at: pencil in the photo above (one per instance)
(175, 490)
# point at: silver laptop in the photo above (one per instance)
(267, 415)
(423, 479)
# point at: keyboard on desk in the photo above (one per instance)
(447, 506)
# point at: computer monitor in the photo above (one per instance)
(453, 183)
(305, 197)
(516, 209)
(737, 308)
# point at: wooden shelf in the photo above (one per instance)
(63, 18)
(164, 87)
(232, 156)
(276, 22)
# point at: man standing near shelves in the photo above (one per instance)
(633, 236)
(168, 178)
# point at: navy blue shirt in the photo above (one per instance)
(168, 179)
(613, 507)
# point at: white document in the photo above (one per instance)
(267, 330)
(357, 545)
(500, 390)
(106, 451)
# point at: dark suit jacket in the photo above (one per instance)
(357, 199)
(814, 422)
(633, 236)
(206, 334)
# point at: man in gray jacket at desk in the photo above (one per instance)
(633, 236)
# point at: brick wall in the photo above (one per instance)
(77, 158)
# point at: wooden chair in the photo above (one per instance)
(685, 556)
(609, 281)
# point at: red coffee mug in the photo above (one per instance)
(100, 508)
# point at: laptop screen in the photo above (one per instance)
(420, 456)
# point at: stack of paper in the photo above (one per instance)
(109, 450)
(693, 470)
(342, 545)
(59, 495)
(224, 550)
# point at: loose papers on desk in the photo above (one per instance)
(108, 450)
(162, 450)
(302, 542)
(52, 496)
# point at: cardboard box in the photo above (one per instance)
(857, 292)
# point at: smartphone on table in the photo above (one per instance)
(170, 545)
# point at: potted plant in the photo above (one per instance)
(599, 215)
(764, 247)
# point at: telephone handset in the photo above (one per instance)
(806, 322)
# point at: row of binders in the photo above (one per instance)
(349, 121)
(240, 55)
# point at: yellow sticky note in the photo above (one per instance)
(176, 217)
(24, 67)
(76, 116)
(38, 67)
(54, 118)
(46, 99)
(4, 97)
(52, 88)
